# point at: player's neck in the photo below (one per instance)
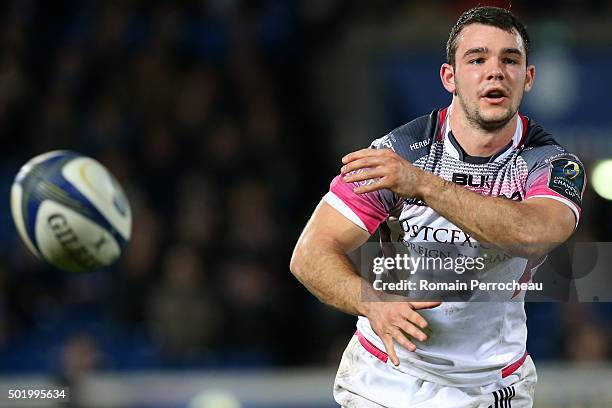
(479, 142)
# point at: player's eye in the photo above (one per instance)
(477, 61)
(510, 61)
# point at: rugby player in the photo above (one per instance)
(476, 171)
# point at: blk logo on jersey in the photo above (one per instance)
(567, 179)
(471, 181)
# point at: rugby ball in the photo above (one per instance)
(70, 211)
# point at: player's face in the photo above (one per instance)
(490, 75)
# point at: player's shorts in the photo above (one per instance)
(364, 380)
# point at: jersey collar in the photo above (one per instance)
(518, 139)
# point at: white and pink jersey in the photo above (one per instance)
(470, 342)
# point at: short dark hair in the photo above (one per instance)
(491, 16)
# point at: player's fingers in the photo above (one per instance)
(363, 153)
(425, 305)
(410, 329)
(415, 318)
(368, 188)
(367, 174)
(387, 340)
(403, 340)
(362, 163)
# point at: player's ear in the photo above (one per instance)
(447, 75)
(529, 77)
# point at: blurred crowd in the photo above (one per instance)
(205, 113)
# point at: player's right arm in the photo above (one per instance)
(320, 262)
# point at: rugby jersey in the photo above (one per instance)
(470, 341)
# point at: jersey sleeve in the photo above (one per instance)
(366, 210)
(556, 174)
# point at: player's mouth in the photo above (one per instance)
(495, 96)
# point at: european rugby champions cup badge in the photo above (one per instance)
(571, 170)
(567, 179)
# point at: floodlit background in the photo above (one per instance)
(225, 121)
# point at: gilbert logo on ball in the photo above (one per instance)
(70, 211)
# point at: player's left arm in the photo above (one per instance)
(529, 228)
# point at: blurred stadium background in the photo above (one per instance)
(225, 121)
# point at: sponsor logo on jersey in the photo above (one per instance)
(420, 144)
(567, 178)
(425, 233)
(470, 180)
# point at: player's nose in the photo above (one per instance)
(495, 75)
(495, 70)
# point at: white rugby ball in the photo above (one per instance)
(70, 211)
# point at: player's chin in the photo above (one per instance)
(497, 115)
(495, 118)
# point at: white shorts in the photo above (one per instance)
(364, 380)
